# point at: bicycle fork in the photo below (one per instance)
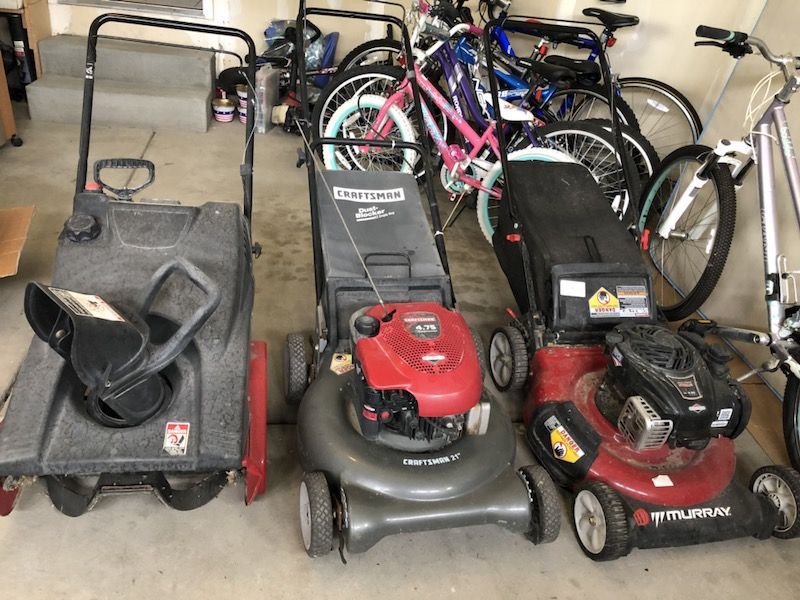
(724, 153)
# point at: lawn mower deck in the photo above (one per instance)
(142, 370)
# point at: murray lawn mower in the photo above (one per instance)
(636, 419)
(395, 434)
(142, 370)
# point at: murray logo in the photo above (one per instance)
(371, 196)
(660, 516)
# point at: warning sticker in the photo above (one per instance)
(176, 438)
(603, 304)
(87, 305)
(342, 363)
(633, 301)
(564, 447)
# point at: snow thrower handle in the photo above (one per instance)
(88, 91)
(169, 350)
(124, 193)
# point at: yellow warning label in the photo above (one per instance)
(564, 447)
(603, 304)
(342, 363)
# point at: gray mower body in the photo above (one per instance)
(385, 491)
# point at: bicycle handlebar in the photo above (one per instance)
(724, 35)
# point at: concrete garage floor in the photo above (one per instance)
(134, 547)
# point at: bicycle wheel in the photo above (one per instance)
(666, 117)
(637, 146)
(579, 103)
(487, 206)
(354, 120)
(688, 264)
(374, 53)
(358, 81)
(791, 419)
(593, 146)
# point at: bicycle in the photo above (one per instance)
(689, 206)
(660, 112)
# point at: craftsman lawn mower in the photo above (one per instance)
(636, 419)
(142, 375)
(395, 434)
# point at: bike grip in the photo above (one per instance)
(724, 35)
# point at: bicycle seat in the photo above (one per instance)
(611, 20)
(557, 75)
(587, 71)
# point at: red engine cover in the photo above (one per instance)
(426, 350)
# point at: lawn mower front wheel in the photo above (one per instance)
(601, 522)
(316, 514)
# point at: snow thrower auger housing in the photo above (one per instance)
(142, 369)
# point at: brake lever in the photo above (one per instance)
(735, 50)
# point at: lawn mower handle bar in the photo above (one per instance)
(88, 91)
(302, 15)
(535, 26)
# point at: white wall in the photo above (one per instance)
(660, 47)
(739, 297)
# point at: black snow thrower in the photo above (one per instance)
(142, 370)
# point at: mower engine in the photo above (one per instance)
(417, 376)
(667, 388)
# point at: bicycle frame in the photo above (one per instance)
(456, 159)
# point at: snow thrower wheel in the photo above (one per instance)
(508, 359)
(295, 368)
(316, 514)
(782, 486)
(601, 522)
(545, 507)
(481, 350)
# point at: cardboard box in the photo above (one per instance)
(14, 223)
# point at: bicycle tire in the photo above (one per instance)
(651, 123)
(359, 80)
(687, 298)
(600, 156)
(588, 108)
(644, 155)
(405, 131)
(351, 59)
(791, 419)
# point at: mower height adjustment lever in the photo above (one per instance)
(125, 193)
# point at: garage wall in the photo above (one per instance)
(660, 47)
(739, 298)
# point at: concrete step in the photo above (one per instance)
(128, 61)
(130, 104)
